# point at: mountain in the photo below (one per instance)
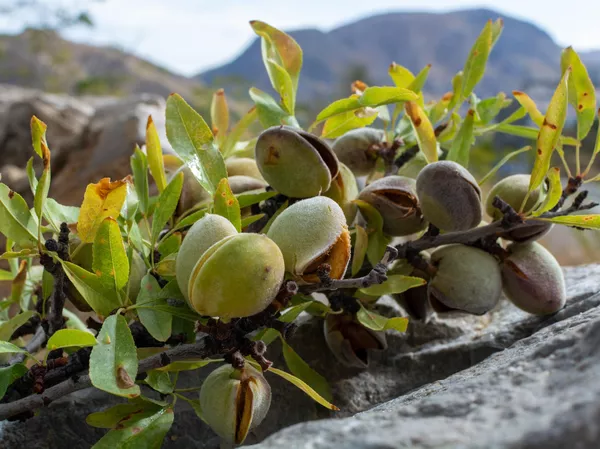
(523, 56)
(42, 59)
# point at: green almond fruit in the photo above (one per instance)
(449, 196)
(358, 148)
(294, 162)
(343, 190)
(533, 279)
(243, 166)
(312, 232)
(238, 276)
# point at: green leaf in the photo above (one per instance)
(57, 213)
(526, 132)
(554, 192)
(157, 322)
(18, 224)
(371, 97)
(550, 132)
(169, 245)
(463, 141)
(457, 86)
(160, 381)
(139, 168)
(247, 221)
(227, 205)
(377, 241)
(268, 110)
(9, 374)
(423, 130)
(6, 275)
(113, 361)
(503, 161)
(303, 371)
(581, 221)
(395, 284)
(488, 109)
(304, 387)
(360, 249)
(281, 47)
(69, 338)
(187, 365)
(38, 135)
(417, 84)
(401, 76)
(166, 266)
(9, 348)
(155, 156)
(111, 417)
(192, 140)
(191, 219)
(7, 328)
(497, 27)
(142, 431)
(477, 60)
(110, 265)
(237, 131)
(582, 93)
(91, 288)
(530, 106)
(249, 198)
(166, 205)
(41, 192)
(377, 322)
(340, 124)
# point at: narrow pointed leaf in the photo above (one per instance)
(18, 224)
(477, 60)
(530, 106)
(110, 264)
(70, 338)
(377, 322)
(268, 110)
(395, 284)
(580, 221)
(9, 348)
(503, 161)
(417, 84)
(342, 123)
(101, 200)
(7, 328)
(157, 322)
(401, 76)
(139, 168)
(110, 417)
(166, 205)
(550, 132)
(377, 241)
(192, 140)
(360, 249)
(423, 130)
(463, 141)
(237, 131)
(227, 205)
(582, 93)
(554, 192)
(219, 116)
(303, 371)
(457, 87)
(113, 361)
(160, 381)
(9, 374)
(38, 135)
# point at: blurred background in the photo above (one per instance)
(94, 70)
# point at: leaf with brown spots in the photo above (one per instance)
(227, 205)
(549, 134)
(580, 221)
(582, 93)
(530, 106)
(114, 365)
(423, 130)
(101, 200)
(110, 263)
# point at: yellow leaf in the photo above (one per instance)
(550, 132)
(219, 116)
(530, 106)
(100, 201)
(423, 130)
(155, 157)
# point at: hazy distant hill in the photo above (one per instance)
(524, 56)
(42, 59)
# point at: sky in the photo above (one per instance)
(189, 36)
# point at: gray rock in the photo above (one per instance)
(505, 380)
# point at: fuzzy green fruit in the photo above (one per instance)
(235, 401)
(395, 198)
(343, 190)
(467, 279)
(202, 235)
(533, 279)
(350, 342)
(358, 149)
(294, 162)
(513, 190)
(312, 232)
(449, 196)
(236, 277)
(243, 166)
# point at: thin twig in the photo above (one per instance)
(377, 275)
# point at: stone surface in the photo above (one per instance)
(505, 380)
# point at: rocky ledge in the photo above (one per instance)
(506, 380)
